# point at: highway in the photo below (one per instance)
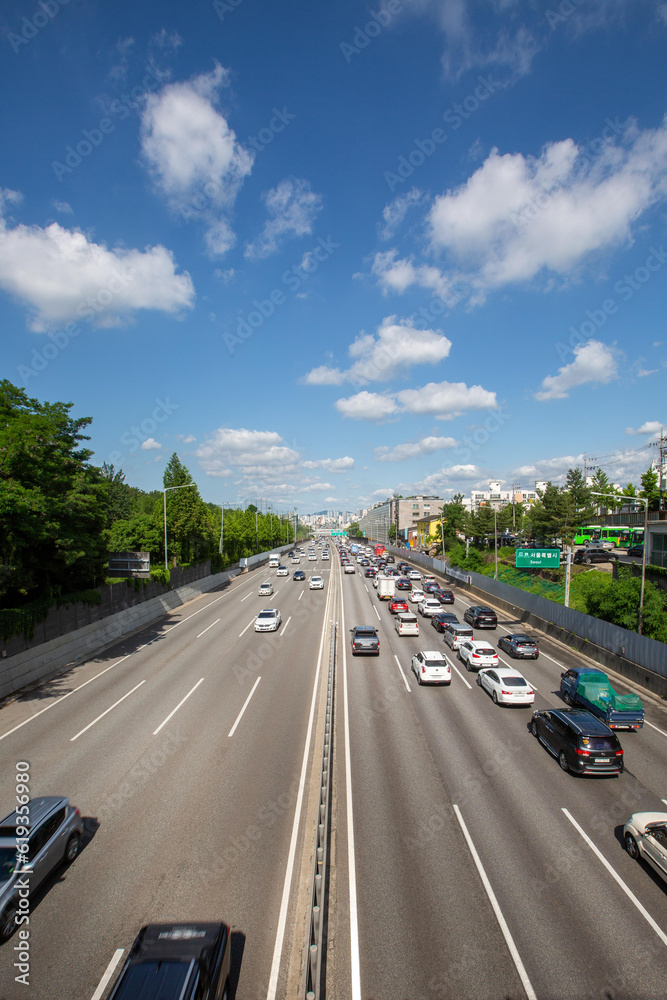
(465, 864)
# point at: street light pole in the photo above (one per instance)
(609, 496)
(164, 496)
(495, 540)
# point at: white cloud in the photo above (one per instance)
(193, 154)
(394, 213)
(253, 452)
(62, 276)
(292, 207)
(331, 464)
(652, 427)
(63, 207)
(412, 449)
(398, 275)
(517, 216)
(661, 13)
(593, 362)
(397, 346)
(150, 444)
(166, 41)
(444, 400)
(186, 438)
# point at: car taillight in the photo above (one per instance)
(505, 692)
(582, 753)
(619, 753)
(423, 670)
(475, 656)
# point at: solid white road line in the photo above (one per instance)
(351, 864)
(104, 981)
(402, 674)
(205, 608)
(454, 667)
(287, 885)
(245, 705)
(285, 625)
(106, 712)
(509, 940)
(628, 892)
(542, 653)
(376, 612)
(664, 800)
(246, 597)
(182, 702)
(207, 628)
(301, 595)
(247, 627)
(661, 731)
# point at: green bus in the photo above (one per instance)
(585, 533)
(619, 534)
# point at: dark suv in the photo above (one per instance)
(365, 640)
(480, 617)
(580, 741)
(177, 962)
(593, 555)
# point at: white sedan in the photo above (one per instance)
(429, 607)
(416, 596)
(268, 620)
(296, 560)
(477, 654)
(431, 667)
(316, 583)
(413, 574)
(349, 568)
(645, 836)
(266, 589)
(506, 686)
(282, 571)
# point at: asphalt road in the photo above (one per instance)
(481, 869)
(193, 821)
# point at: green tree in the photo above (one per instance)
(578, 504)
(547, 516)
(190, 528)
(53, 502)
(119, 493)
(651, 489)
(602, 484)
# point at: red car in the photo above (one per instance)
(397, 605)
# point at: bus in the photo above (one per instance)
(584, 533)
(619, 534)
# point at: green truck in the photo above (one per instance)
(591, 689)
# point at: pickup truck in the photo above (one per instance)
(591, 689)
(365, 640)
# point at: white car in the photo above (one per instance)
(645, 836)
(431, 667)
(282, 571)
(476, 654)
(429, 607)
(266, 590)
(296, 560)
(416, 596)
(325, 555)
(268, 620)
(312, 557)
(316, 583)
(506, 686)
(456, 634)
(413, 574)
(349, 568)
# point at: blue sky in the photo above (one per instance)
(329, 251)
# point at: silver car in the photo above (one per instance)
(37, 837)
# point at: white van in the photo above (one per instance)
(407, 624)
(274, 560)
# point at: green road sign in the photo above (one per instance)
(536, 558)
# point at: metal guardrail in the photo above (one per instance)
(319, 895)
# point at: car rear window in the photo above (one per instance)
(154, 979)
(485, 651)
(516, 682)
(435, 663)
(366, 631)
(598, 742)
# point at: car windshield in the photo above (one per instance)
(516, 682)
(266, 614)
(7, 863)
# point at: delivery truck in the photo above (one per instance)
(590, 688)
(386, 587)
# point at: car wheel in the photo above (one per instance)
(562, 760)
(533, 729)
(495, 698)
(8, 924)
(419, 680)
(225, 992)
(479, 681)
(567, 698)
(468, 668)
(72, 849)
(588, 561)
(631, 846)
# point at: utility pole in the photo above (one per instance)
(495, 539)
(513, 506)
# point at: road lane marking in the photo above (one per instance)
(182, 702)
(510, 666)
(247, 627)
(246, 597)
(104, 981)
(509, 940)
(301, 594)
(355, 972)
(454, 667)
(245, 705)
(647, 723)
(376, 612)
(664, 800)
(286, 624)
(402, 674)
(628, 892)
(287, 885)
(106, 712)
(208, 627)
(205, 608)
(542, 653)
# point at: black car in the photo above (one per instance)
(592, 556)
(365, 640)
(444, 618)
(298, 575)
(370, 571)
(519, 645)
(480, 616)
(444, 596)
(403, 584)
(580, 741)
(636, 550)
(177, 962)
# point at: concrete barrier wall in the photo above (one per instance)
(50, 658)
(262, 557)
